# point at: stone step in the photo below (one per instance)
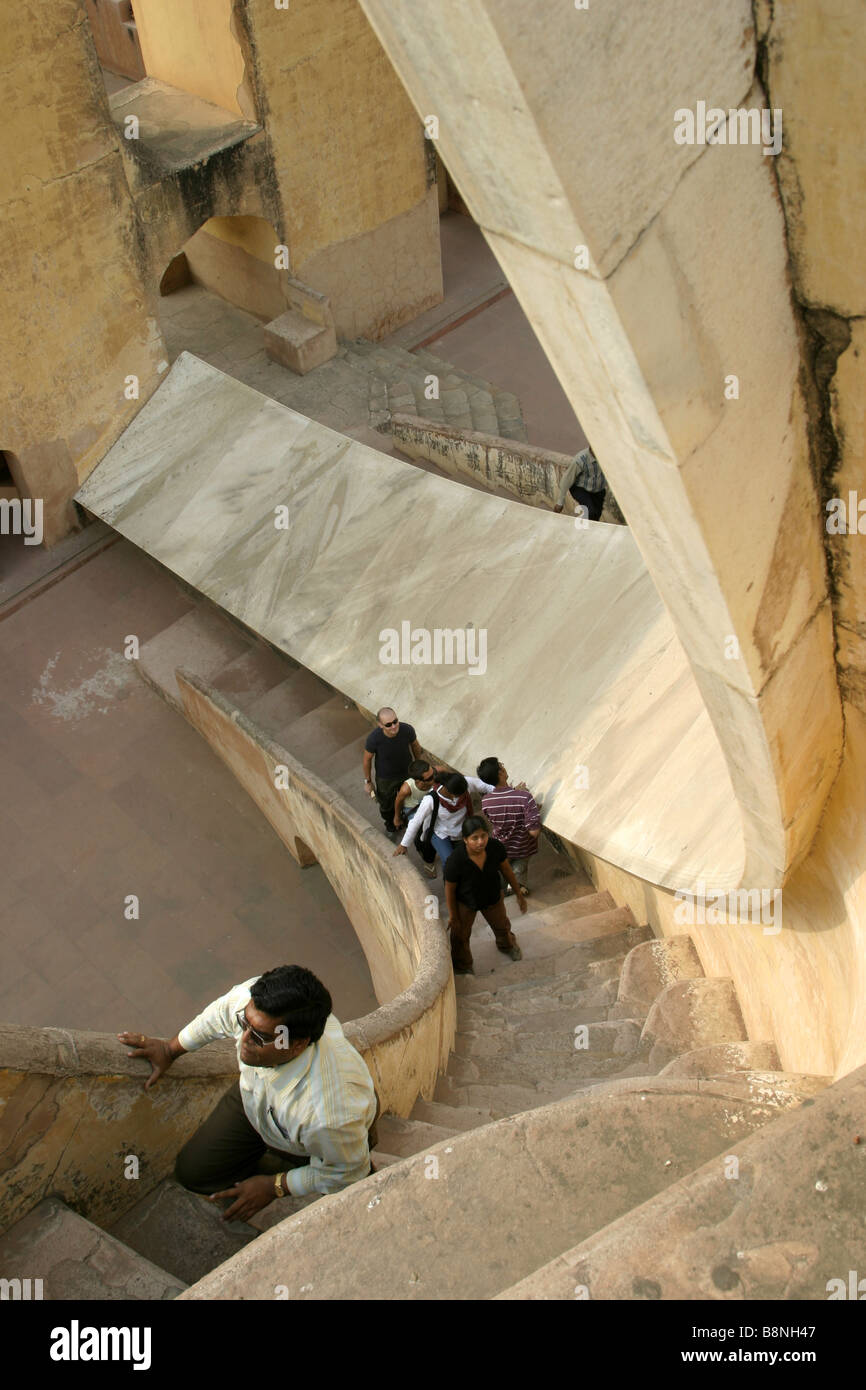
(596, 1040)
(380, 1159)
(348, 763)
(551, 915)
(502, 1098)
(316, 736)
(512, 1197)
(544, 964)
(519, 1005)
(181, 1232)
(780, 1237)
(540, 976)
(294, 697)
(538, 940)
(76, 1261)
(402, 1137)
(202, 641)
(524, 1068)
(720, 1059)
(253, 674)
(451, 1117)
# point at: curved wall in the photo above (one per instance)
(72, 1104)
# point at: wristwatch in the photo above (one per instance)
(278, 1184)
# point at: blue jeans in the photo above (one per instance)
(443, 847)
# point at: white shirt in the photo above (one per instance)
(448, 823)
(320, 1104)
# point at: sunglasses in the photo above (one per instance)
(260, 1039)
(391, 723)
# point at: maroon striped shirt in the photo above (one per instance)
(512, 814)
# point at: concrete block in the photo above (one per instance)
(297, 343)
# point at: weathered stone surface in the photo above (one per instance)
(649, 968)
(576, 1164)
(717, 1059)
(690, 1014)
(76, 1260)
(782, 1229)
(299, 344)
(815, 56)
(181, 1232)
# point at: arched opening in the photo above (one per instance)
(192, 48)
(227, 280)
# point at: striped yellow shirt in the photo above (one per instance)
(319, 1105)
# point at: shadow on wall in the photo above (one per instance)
(238, 258)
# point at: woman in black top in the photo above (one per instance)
(472, 885)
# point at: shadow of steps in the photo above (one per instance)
(455, 1118)
(76, 1260)
(402, 1137)
(181, 1231)
(294, 697)
(322, 732)
(253, 674)
(202, 641)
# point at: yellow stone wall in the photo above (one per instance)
(349, 154)
(76, 318)
(340, 173)
(191, 44)
(804, 987)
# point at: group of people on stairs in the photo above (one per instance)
(484, 858)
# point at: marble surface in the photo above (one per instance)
(587, 694)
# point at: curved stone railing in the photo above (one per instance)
(74, 1112)
(73, 1106)
(406, 1041)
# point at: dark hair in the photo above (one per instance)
(488, 770)
(455, 782)
(473, 823)
(418, 767)
(296, 997)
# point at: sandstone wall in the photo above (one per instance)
(74, 1107)
(76, 317)
(357, 178)
(194, 46)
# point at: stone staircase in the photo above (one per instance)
(597, 1008)
(398, 383)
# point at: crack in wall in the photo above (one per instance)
(824, 336)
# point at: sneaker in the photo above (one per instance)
(429, 869)
(516, 953)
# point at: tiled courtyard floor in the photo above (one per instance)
(108, 792)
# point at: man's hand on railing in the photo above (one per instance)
(160, 1052)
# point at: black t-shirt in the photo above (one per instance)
(476, 887)
(393, 755)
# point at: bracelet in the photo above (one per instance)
(278, 1184)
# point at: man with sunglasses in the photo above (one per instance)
(393, 745)
(305, 1095)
